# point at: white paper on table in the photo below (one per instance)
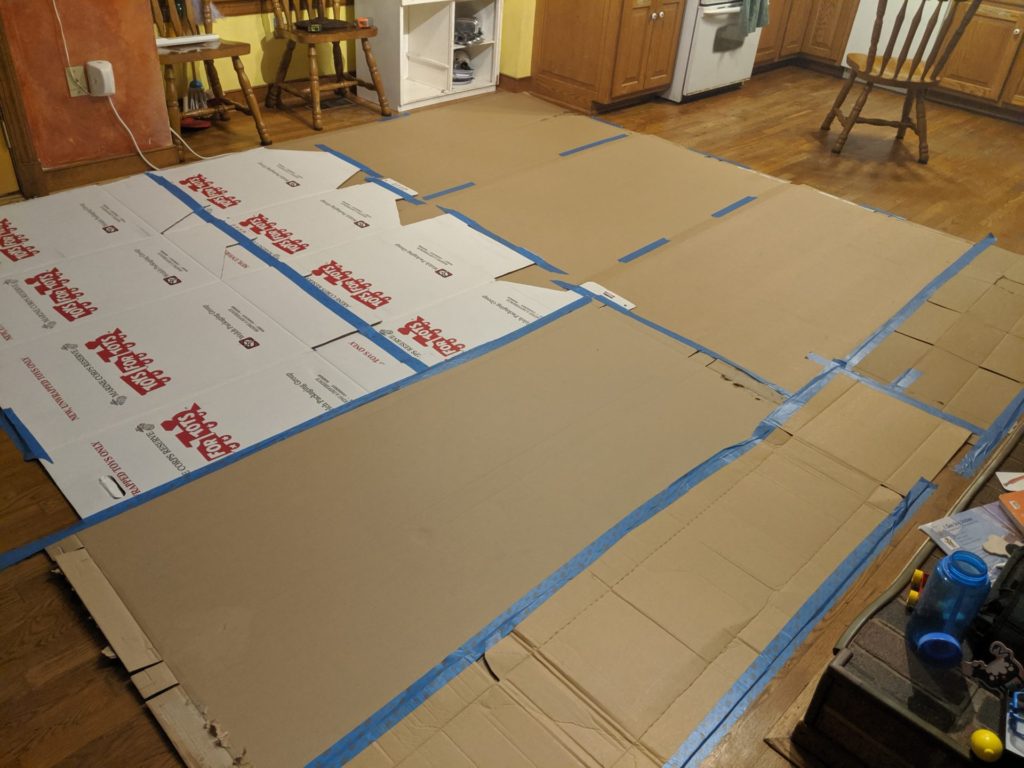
(296, 311)
(217, 251)
(456, 237)
(1011, 481)
(364, 362)
(320, 221)
(38, 302)
(48, 229)
(443, 330)
(68, 385)
(194, 430)
(390, 274)
(245, 181)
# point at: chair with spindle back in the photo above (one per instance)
(176, 18)
(310, 22)
(912, 58)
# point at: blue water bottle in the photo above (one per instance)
(950, 600)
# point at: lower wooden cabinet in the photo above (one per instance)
(983, 64)
(815, 28)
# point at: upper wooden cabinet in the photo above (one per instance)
(828, 29)
(594, 52)
(981, 64)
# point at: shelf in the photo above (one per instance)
(414, 90)
(481, 44)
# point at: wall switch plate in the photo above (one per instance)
(76, 81)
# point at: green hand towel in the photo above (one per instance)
(755, 15)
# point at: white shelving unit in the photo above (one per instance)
(415, 48)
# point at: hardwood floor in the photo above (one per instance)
(63, 704)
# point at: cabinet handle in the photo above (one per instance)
(1016, 32)
(661, 15)
(653, 16)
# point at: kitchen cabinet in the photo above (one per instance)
(589, 53)
(770, 44)
(981, 64)
(796, 26)
(1013, 95)
(828, 29)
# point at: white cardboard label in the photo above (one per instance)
(364, 362)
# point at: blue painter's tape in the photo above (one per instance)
(180, 194)
(907, 378)
(745, 690)
(882, 211)
(393, 116)
(991, 437)
(22, 436)
(606, 122)
(18, 554)
(672, 334)
(380, 182)
(592, 144)
(719, 158)
(449, 190)
(920, 298)
(540, 262)
(644, 249)
(896, 392)
(348, 159)
(733, 206)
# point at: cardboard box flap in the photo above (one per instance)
(571, 212)
(793, 289)
(510, 444)
(983, 397)
(891, 359)
(929, 322)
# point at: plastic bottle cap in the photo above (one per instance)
(912, 597)
(986, 745)
(939, 648)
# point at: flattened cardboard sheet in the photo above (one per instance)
(384, 568)
(583, 212)
(36, 233)
(163, 445)
(100, 371)
(793, 273)
(38, 302)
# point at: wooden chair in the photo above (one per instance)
(915, 73)
(174, 18)
(287, 14)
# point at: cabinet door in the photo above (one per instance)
(634, 39)
(1013, 93)
(770, 44)
(796, 27)
(661, 53)
(981, 62)
(828, 29)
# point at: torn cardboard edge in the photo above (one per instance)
(17, 554)
(199, 741)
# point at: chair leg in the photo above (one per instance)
(843, 93)
(250, 99)
(274, 91)
(314, 89)
(173, 110)
(339, 65)
(908, 102)
(217, 88)
(852, 119)
(378, 86)
(922, 129)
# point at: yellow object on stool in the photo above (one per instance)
(986, 746)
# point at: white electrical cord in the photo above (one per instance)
(189, 148)
(110, 100)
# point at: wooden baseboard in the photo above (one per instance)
(93, 171)
(514, 84)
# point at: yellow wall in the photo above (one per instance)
(517, 37)
(261, 64)
(8, 181)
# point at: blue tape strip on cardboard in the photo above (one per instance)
(364, 328)
(907, 378)
(381, 182)
(897, 393)
(672, 334)
(22, 436)
(349, 159)
(918, 300)
(882, 211)
(539, 261)
(733, 206)
(386, 717)
(719, 158)
(644, 249)
(17, 554)
(449, 190)
(744, 691)
(591, 145)
(991, 437)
